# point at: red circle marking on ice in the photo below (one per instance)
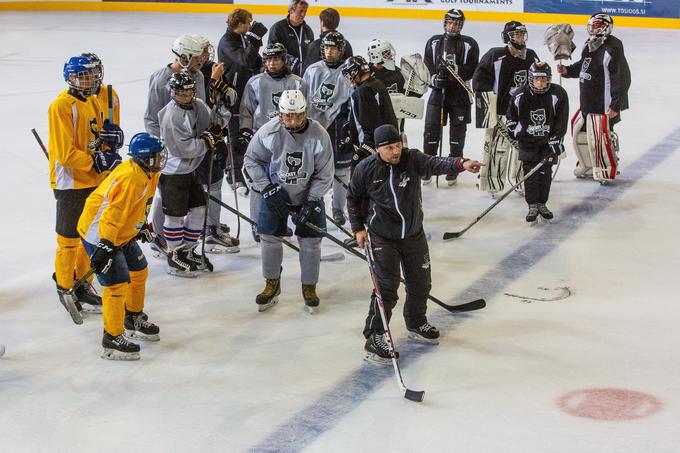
(609, 404)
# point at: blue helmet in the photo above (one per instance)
(148, 151)
(75, 71)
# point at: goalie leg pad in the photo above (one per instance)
(602, 147)
(493, 175)
(579, 140)
(485, 110)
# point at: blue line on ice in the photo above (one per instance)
(309, 423)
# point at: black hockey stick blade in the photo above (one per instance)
(476, 304)
(414, 395)
(339, 256)
(452, 235)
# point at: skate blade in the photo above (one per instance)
(159, 255)
(417, 337)
(113, 354)
(533, 223)
(91, 309)
(312, 310)
(219, 250)
(70, 306)
(134, 334)
(267, 306)
(370, 357)
(183, 274)
(452, 183)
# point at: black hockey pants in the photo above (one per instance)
(457, 115)
(411, 255)
(537, 187)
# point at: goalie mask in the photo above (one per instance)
(293, 110)
(80, 73)
(382, 52)
(539, 77)
(354, 68)
(274, 59)
(599, 27)
(333, 39)
(454, 19)
(182, 89)
(516, 34)
(148, 152)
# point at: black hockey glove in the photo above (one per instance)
(228, 94)
(102, 258)
(105, 160)
(145, 235)
(112, 135)
(556, 146)
(277, 199)
(256, 32)
(213, 135)
(309, 211)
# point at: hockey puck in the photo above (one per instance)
(609, 404)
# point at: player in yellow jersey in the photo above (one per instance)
(111, 113)
(80, 150)
(113, 217)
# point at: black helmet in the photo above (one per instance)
(539, 69)
(510, 32)
(333, 39)
(274, 50)
(354, 68)
(181, 81)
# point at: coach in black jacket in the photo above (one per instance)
(388, 182)
(294, 33)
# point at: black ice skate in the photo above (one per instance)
(138, 326)
(426, 333)
(452, 179)
(119, 348)
(339, 216)
(532, 214)
(311, 299)
(201, 262)
(159, 247)
(179, 264)
(68, 299)
(219, 241)
(88, 298)
(544, 211)
(269, 295)
(377, 350)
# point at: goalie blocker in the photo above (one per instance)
(596, 146)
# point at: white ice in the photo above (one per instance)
(227, 378)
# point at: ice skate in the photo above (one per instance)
(451, 180)
(426, 333)
(218, 241)
(310, 297)
(179, 264)
(88, 298)
(68, 299)
(159, 247)
(201, 262)
(339, 216)
(138, 326)
(377, 350)
(426, 180)
(119, 348)
(269, 295)
(544, 211)
(532, 214)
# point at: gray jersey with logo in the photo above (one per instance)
(260, 101)
(159, 96)
(327, 91)
(180, 129)
(301, 163)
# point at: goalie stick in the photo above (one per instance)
(411, 395)
(468, 306)
(457, 234)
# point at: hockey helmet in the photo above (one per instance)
(185, 48)
(382, 52)
(80, 75)
(181, 82)
(148, 151)
(333, 39)
(511, 33)
(457, 18)
(537, 70)
(600, 25)
(354, 68)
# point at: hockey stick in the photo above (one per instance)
(206, 210)
(411, 395)
(341, 182)
(109, 99)
(457, 234)
(468, 306)
(42, 146)
(441, 131)
(68, 298)
(230, 150)
(329, 257)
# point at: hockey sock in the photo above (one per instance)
(136, 290)
(157, 216)
(193, 223)
(173, 231)
(310, 259)
(113, 311)
(272, 255)
(65, 260)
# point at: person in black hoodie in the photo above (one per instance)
(538, 115)
(329, 19)
(388, 183)
(239, 50)
(294, 33)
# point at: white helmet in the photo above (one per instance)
(186, 46)
(292, 101)
(382, 52)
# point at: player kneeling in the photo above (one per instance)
(113, 217)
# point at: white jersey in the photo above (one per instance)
(159, 96)
(260, 100)
(301, 163)
(181, 129)
(327, 92)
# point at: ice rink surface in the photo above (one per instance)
(597, 371)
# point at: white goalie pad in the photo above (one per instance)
(415, 73)
(407, 107)
(485, 109)
(502, 168)
(579, 141)
(603, 147)
(559, 39)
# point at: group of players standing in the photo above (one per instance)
(314, 116)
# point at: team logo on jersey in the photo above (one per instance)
(392, 88)
(95, 143)
(584, 69)
(539, 128)
(403, 180)
(520, 78)
(275, 104)
(321, 100)
(293, 168)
